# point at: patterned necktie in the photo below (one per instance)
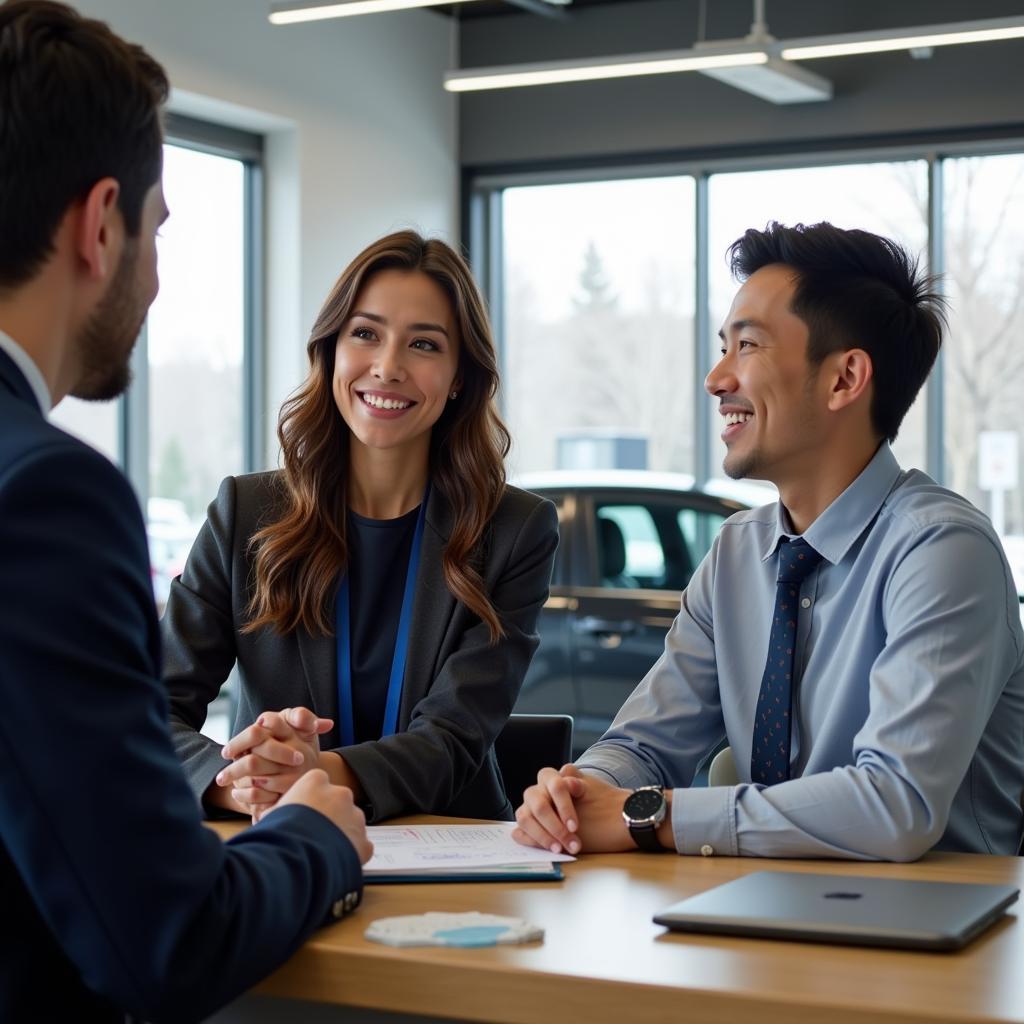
(769, 759)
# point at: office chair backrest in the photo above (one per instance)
(723, 769)
(529, 743)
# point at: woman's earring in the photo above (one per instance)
(453, 394)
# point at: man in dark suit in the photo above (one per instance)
(115, 898)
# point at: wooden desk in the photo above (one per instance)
(602, 959)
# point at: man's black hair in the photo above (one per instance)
(856, 290)
(77, 104)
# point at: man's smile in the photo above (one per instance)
(735, 421)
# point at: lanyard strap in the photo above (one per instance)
(343, 629)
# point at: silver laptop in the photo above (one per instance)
(843, 908)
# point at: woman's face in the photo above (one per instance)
(396, 361)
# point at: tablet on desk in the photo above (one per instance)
(847, 909)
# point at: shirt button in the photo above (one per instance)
(805, 603)
(338, 909)
(707, 850)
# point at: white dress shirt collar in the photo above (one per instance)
(32, 373)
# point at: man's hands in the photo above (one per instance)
(335, 802)
(573, 812)
(271, 756)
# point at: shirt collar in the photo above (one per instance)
(835, 530)
(31, 372)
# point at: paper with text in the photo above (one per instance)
(455, 847)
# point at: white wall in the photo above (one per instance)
(361, 137)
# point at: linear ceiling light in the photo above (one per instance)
(777, 81)
(290, 14)
(760, 68)
(986, 31)
(666, 62)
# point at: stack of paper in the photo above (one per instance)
(422, 853)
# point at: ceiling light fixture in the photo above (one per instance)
(291, 14)
(756, 64)
(987, 31)
(775, 80)
(551, 72)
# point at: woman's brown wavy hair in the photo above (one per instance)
(300, 556)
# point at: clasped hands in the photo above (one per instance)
(270, 756)
(569, 811)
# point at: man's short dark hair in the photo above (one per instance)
(77, 104)
(856, 290)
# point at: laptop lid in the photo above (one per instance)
(843, 909)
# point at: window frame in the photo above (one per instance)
(482, 201)
(133, 412)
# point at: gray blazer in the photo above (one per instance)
(458, 690)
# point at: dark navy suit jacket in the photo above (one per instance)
(113, 896)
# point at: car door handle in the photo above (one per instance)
(593, 624)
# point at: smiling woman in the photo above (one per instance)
(395, 369)
(387, 579)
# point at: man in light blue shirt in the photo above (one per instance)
(893, 696)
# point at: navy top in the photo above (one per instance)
(379, 551)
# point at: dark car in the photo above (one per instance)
(629, 542)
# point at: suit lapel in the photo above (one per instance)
(431, 610)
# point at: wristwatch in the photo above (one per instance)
(643, 812)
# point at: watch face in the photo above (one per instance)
(643, 804)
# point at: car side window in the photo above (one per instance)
(629, 550)
(699, 529)
(651, 545)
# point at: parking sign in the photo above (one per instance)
(997, 460)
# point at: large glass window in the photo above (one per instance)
(196, 349)
(598, 332)
(983, 207)
(888, 198)
(185, 415)
(601, 286)
(96, 423)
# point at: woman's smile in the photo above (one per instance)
(385, 404)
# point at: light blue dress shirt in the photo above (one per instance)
(908, 723)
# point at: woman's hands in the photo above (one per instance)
(270, 756)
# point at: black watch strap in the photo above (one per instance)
(646, 837)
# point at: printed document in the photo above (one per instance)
(440, 848)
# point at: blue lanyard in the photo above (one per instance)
(343, 626)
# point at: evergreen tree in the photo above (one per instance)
(172, 473)
(595, 293)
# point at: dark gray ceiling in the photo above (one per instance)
(887, 96)
(490, 8)
(733, 17)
